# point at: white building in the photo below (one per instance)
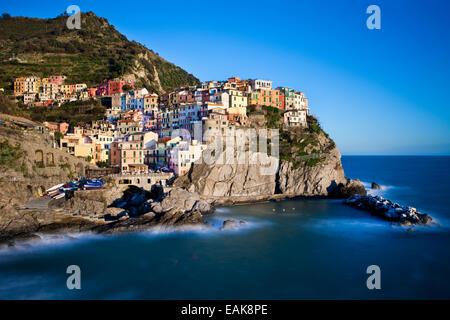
(261, 84)
(237, 99)
(222, 98)
(295, 118)
(184, 155)
(300, 101)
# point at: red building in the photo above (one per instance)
(282, 100)
(116, 85)
(92, 92)
(109, 87)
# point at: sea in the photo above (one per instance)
(290, 249)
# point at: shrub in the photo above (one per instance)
(9, 154)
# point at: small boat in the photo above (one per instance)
(55, 187)
(96, 181)
(68, 186)
(59, 196)
(53, 193)
(93, 184)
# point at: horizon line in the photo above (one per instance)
(396, 155)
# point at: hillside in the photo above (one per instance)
(95, 52)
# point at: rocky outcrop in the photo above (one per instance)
(104, 211)
(375, 186)
(248, 182)
(174, 218)
(181, 199)
(319, 180)
(17, 224)
(350, 188)
(232, 225)
(388, 210)
(228, 180)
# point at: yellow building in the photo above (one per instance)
(238, 98)
(79, 145)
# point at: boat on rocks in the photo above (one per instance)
(388, 210)
(93, 184)
(59, 191)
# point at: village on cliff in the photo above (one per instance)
(140, 132)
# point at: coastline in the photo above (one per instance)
(103, 212)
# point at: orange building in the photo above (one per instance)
(272, 98)
(27, 85)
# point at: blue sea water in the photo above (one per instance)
(294, 249)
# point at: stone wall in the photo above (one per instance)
(122, 181)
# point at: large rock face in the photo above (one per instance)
(230, 180)
(247, 182)
(318, 180)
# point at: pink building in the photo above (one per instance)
(62, 127)
(59, 80)
(115, 155)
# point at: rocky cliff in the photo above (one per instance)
(309, 165)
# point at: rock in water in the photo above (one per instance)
(184, 200)
(376, 186)
(388, 210)
(229, 225)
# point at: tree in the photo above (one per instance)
(103, 164)
(127, 87)
(58, 136)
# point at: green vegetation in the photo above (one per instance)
(58, 137)
(72, 112)
(96, 52)
(103, 164)
(300, 146)
(7, 105)
(10, 155)
(127, 87)
(273, 117)
(65, 166)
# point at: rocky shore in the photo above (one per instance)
(105, 212)
(390, 211)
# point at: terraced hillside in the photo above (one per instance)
(95, 52)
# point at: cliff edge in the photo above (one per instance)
(309, 165)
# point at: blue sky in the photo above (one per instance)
(374, 91)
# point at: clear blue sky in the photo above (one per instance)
(375, 91)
